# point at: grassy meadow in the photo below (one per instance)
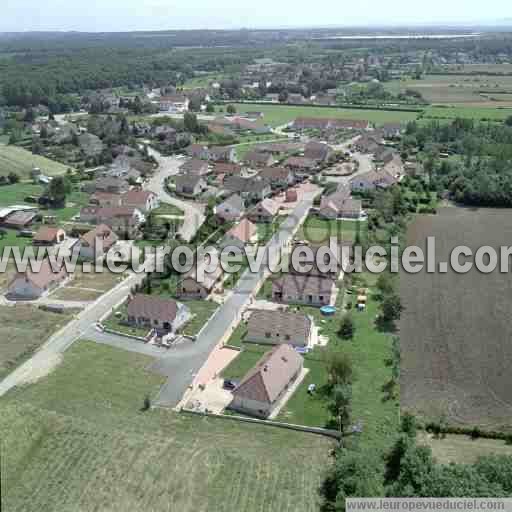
(79, 440)
(277, 115)
(21, 161)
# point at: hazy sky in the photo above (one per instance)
(119, 15)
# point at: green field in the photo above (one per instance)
(470, 90)
(23, 329)
(476, 113)
(277, 115)
(78, 440)
(21, 161)
(317, 230)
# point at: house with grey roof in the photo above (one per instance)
(154, 312)
(231, 209)
(190, 185)
(256, 159)
(275, 327)
(304, 289)
(195, 166)
(250, 189)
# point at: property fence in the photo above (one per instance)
(269, 423)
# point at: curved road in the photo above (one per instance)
(193, 212)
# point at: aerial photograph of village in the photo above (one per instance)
(255, 261)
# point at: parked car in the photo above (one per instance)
(230, 384)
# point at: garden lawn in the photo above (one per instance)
(115, 323)
(317, 230)
(202, 311)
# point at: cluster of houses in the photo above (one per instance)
(33, 284)
(124, 212)
(262, 389)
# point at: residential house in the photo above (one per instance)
(277, 327)
(158, 313)
(279, 148)
(278, 177)
(395, 166)
(372, 180)
(304, 289)
(383, 155)
(124, 220)
(190, 185)
(392, 130)
(340, 205)
(199, 151)
(174, 103)
(323, 263)
(312, 123)
(49, 235)
(199, 284)
(32, 285)
(227, 169)
(195, 166)
(263, 387)
(265, 211)
(255, 159)
(143, 200)
(243, 233)
(367, 144)
(96, 242)
(222, 153)
(20, 219)
(300, 164)
(250, 189)
(231, 209)
(318, 151)
(111, 184)
(105, 199)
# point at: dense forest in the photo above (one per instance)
(471, 160)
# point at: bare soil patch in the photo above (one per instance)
(456, 328)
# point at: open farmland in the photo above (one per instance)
(456, 328)
(278, 115)
(21, 161)
(463, 90)
(78, 440)
(468, 112)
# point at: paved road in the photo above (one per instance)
(183, 362)
(194, 212)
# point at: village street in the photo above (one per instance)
(193, 212)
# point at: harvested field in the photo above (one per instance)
(457, 89)
(456, 328)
